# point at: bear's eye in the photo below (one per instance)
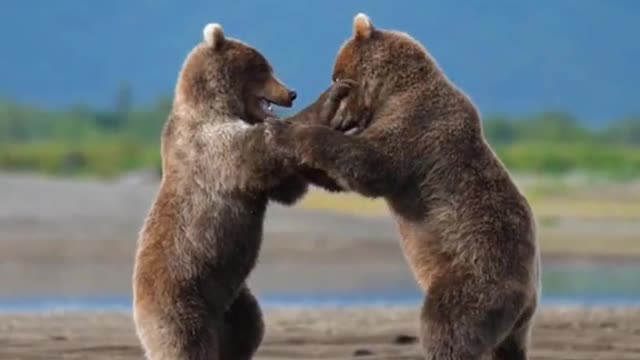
(337, 76)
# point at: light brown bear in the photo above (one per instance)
(467, 231)
(203, 233)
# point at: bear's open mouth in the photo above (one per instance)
(265, 107)
(261, 109)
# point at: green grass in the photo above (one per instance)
(115, 153)
(104, 157)
(615, 161)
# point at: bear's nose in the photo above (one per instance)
(293, 95)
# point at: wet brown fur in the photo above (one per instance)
(467, 232)
(203, 233)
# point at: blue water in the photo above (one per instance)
(123, 303)
(579, 284)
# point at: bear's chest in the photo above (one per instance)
(218, 156)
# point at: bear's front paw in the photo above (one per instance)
(346, 121)
(348, 117)
(338, 92)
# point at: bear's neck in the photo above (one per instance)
(215, 109)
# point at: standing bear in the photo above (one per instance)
(203, 233)
(467, 232)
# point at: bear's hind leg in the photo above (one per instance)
(462, 321)
(514, 346)
(242, 329)
(185, 334)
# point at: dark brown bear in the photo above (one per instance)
(467, 232)
(203, 233)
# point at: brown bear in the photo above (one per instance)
(467, 231)
(203, 233)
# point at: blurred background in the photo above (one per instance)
(85, 87)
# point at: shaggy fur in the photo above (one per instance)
(203, 233)
(467, 232)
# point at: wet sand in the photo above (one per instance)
(368, 333)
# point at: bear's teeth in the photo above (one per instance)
(265, 105)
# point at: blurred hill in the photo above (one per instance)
(512, 57)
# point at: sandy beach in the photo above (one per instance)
(76, 238)
(368, 333)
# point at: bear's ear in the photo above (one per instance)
(213, 35)
(362, 27)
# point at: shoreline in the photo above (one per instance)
(323, 299)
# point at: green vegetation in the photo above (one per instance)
(81, 140)
(556, 143)
(85, 141)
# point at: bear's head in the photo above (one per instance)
(383, 63)
(230, 78)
